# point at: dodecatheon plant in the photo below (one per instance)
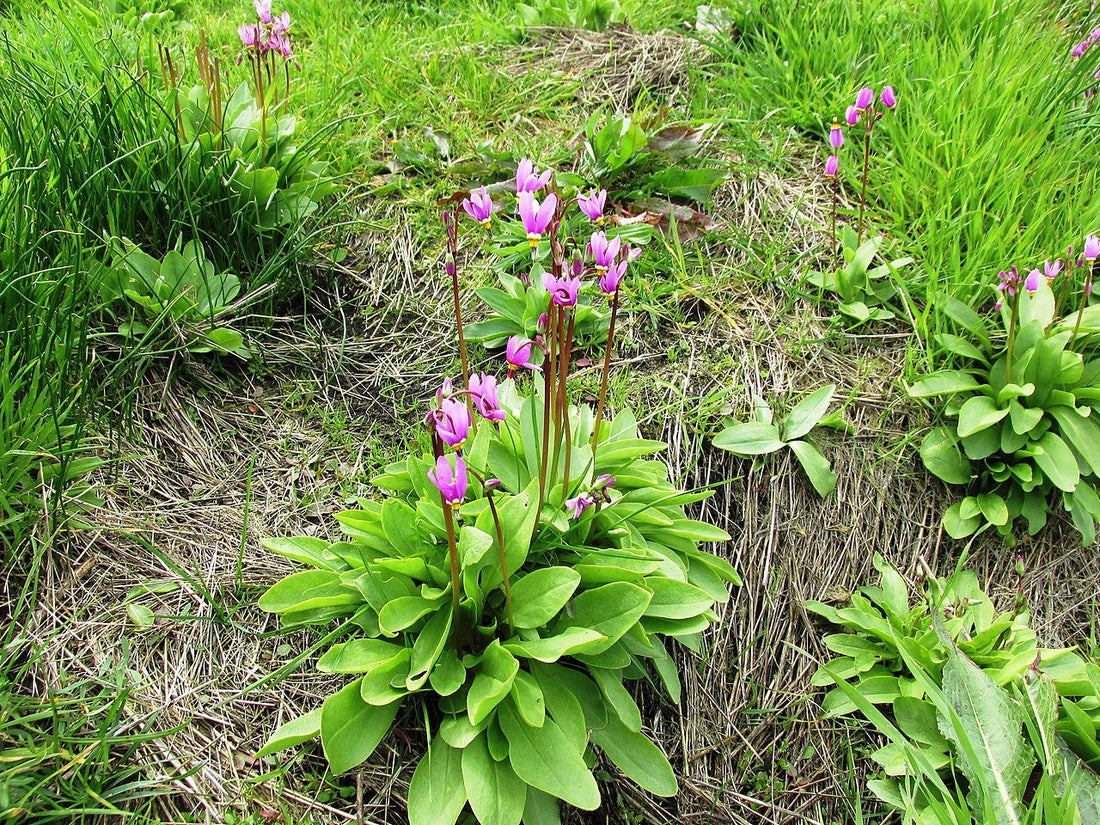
(831, 165)
(479, 206)
(517, 352)
(452, 422)
(450, 482)
(865, 98)
(483, 388)
(445, 391)
(851, 116)
(563, 291)
(250, 36)
(888, 98)
(536, 217)
(592, 205)
(836, 135)
(579, 504)
(603, 251)
(610, 280)
(263, 10)
(527, 180)
(1092, 248)
(1092, 252)
(1051, 269)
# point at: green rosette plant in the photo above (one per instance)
(517, 576)
(1025, 436)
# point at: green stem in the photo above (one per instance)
(1084, 303)
(448, 519)
(503, 561)
(866, 167)
(606, 370)
(1013, 315)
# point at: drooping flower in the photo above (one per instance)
(1092, 248)
(452, 422)
(836, 136)
(593, 204)
(527, 180)
(563, 291)
(1008, 281)
(450, 482)
(852, 116)
(865, 98)
(610, 280)
(263, 10)
(517, 352)
(483, 389)
(479, 206)
(888, 98)
(1032, 281)
(604, 481)
(1051, 269)
(536, 217)
(603, 250)
(831, 165)
(579, 504)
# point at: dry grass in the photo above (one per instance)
(211, 473)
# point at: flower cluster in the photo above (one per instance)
(863, 109)
(1082, 47)
(270, 34)
(1009, 281)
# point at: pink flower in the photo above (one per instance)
(249, 35)
(610, 280)
(517, 353)
(263, 10)
(836, 136)
(852, 116)
(563, 291)
(527, 180)
(483, 389)
(479, 206)
(592, 205)
(445, 391)
(865, 98)
(831, 165)
(889, 100)
(452, 422)
(602, 250)
(1092, 248)
(579, 504)
(451, 483)
(1032, 281)
(1051, 270)
(536, 218)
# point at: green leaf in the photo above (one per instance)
(351, 729)
(749, 438)
(979, 413)
(942, 457)
(542, 757)
(492, 682)
(307, 590)
(1023, 419)
(994, 509)
(956, 525)
(1057, 462)
(618, 697)
(1082, 434)
(568, 641)
(807, 413)
(817, 467)
(428, 647)
(610, 610)
(964, 316)
(944, 382)
(359, 656)
(302, 549)
(986, 729)
(142, 617)
(528, 699)
(437, 792)
(496, 794)
(448, 675)
(404, 612)
(540, 595)
(292, 733)
(636, 756)
(541, 808)
(674, 599)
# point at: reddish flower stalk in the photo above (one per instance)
(452, 270)
(563, 401)
(503, 560)
(606, 370)
(452, 545)
(866, 165)
(548, 384)
(1084, 302)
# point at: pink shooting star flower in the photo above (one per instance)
(450, 482)
(281, 24)
(610, 280)
(604, 481)
(263, 10)
(527, 180)
(592, 205)
(831, 166)
(865, 98)
(851, 116)
(445, 391)
(1092, 248)
(563, 291)
(483, 389)
(1051, 269)
(250, 36)
(888, 98)
(452, 422)
(1032, 281)
(603, 251)
(1008, 281)
(536, 218)
(579, 504)
(836, 135)
(517, 353)
(479, 206)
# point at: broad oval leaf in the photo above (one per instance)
(637, 757)
(437, 792)
(351, 729)
(749, 438)
(292, 733)
(540, 595)
(806, 415)
(977, 414)
(544, 758)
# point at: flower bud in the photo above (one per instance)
(888, 98)
(831, 165)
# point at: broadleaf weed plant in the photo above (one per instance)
(518, 573)
(1025, 438)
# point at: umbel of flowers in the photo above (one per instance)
(522, 568)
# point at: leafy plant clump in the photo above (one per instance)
(752, 439)
(1025, 438)
(517, 576)
(178, 298)
(983, 725)
(863, 292)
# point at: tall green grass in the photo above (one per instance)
(991, 157)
